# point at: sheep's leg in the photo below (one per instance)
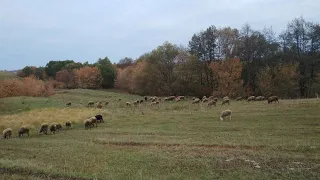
(230, 117)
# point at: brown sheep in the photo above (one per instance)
(68, 103)
(212, 103)
(196, 101)
(87, 124)
(68, 124)
(43, 128)
(53, 128)
(23, 130)
(90, 104)
(7, 133)
(251, 98)
(58, 126)
(99, 106)
(273, 99)
(225, 101)
(225, 113)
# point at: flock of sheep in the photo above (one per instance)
(91, 122)
(54, 127)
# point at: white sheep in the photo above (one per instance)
(225, 113)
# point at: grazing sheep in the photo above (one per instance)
(87, 124)
(53, 128)
(215, 99)
(181, 97)
(43, 128)
(259, 98)
(225, 113)
(251, 98)
(153, 99)
(273, 99)
(212, 103)
(210, 97)
(68, 103)
(226, 97)
(93, 121)
(99, 106)
(146, 98)
(154, 103)
(90, 104)
(239, 98)
(135, 103)
(177, 99)
(7, 133)
(68, 124)
(99, 118)
(23, 130)
(193, 98)
(58, 126)
(196, 101)
(141, 101)
(205, 100)
(128, 103)
(170, 98)
(119, 99)
(106, 103)
(225, 101)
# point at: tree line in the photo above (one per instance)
(216, 61)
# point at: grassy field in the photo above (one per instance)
(176, 140)
(7, 75)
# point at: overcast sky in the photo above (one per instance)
(34, 32)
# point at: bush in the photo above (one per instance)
(28, 86)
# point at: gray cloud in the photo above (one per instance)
(34, 32)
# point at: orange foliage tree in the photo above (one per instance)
(66, 77)
(28, 86)
(228, 78)
(89, 77)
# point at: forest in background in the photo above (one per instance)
(217, 61)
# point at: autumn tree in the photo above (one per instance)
(229, 82)
(89, 77)
(67, 77)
